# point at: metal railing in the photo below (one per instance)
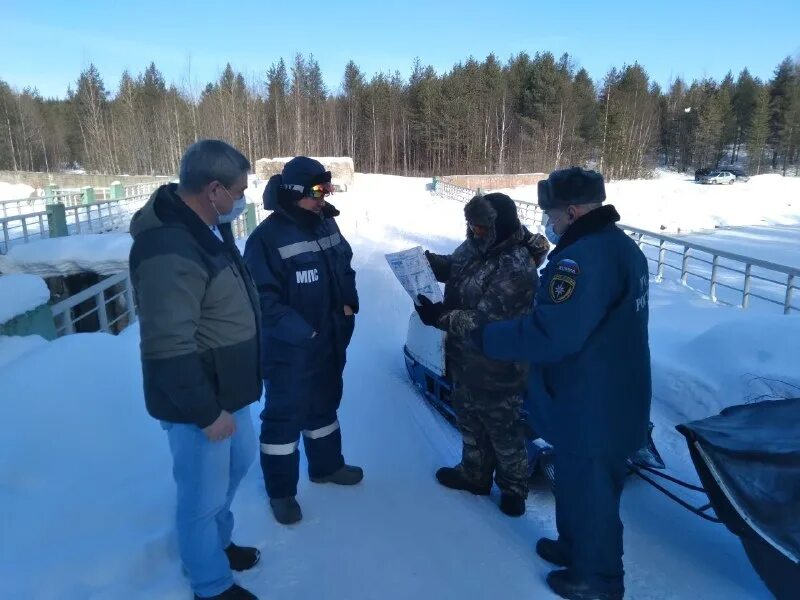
(730, 279)
(110, 302)
(452, 191)
(529, 213)
(106, 215)
(22, 229)
(14, 208)
(71, 197)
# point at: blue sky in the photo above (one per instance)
(46, 44)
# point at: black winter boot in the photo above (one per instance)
(232, 593)
(347, 475)
(553, 551)
(242, 558)
(286, 510)
(453, 478)
(568, 586)
(512, 505)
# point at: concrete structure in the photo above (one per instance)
(341, 168)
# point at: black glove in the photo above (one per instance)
(428, 311)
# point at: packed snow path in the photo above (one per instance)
(87, 493)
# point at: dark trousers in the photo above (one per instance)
(304, 404)
(588, 491)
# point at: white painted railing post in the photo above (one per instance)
(685, 265)
(102, 312)
(746, 291)
(714, 271)
(70, 326)
(787, 303)
(662, 255)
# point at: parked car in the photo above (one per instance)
(738, 172)
(719, 177)
(702, 173)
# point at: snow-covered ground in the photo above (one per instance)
(774, 243)
(87, 494)
(673, 202)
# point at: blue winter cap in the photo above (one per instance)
(304, 172)
(572, 186)
(294, 181)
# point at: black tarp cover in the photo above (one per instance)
(748, 459)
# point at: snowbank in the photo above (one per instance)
(105, 254)
(775, 243)
(673, 202)
(20, 294)
(14, 347)
(15, 191)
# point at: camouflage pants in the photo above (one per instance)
(493, 438)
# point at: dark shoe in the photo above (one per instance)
(554, 552)
(564, 584)
(232, 593)
(242, 558)
(347, 475)
(512, 505)
(286, 510)
(453, 478)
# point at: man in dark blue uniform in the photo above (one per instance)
(589, 384)
(300, 263)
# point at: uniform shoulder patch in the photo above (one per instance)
(568, 266)
(561, 287)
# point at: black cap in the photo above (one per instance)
(572, 186)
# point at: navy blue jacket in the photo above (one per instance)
(589, 385)
(300, 263)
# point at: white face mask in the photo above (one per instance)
(551, 234)
(238, 208)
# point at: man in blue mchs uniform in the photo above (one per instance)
(589, 384)
(300, 263)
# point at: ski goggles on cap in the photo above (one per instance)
(320, 190)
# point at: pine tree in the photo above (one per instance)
(759, 131)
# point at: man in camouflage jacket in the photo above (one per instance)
(491, 277)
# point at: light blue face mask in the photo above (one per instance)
(551, 234)
(236, 210)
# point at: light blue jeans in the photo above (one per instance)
(207, 475)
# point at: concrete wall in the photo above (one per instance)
(74, 180)
(494, 182)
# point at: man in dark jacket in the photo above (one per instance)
(490, 277)
(589, 385)
(301, 266)
(198, 317)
